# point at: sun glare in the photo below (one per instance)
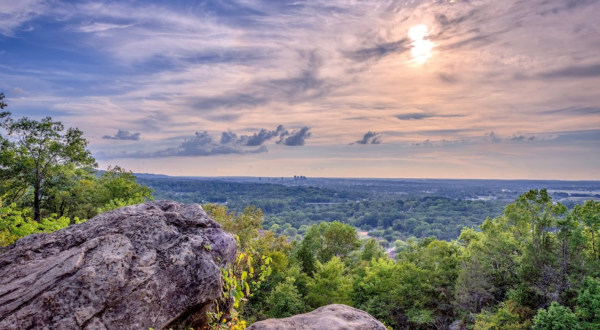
(421, 47)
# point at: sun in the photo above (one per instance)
(421, 47)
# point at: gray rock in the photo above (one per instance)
(150, 265)
(457, 325)
(330, 317)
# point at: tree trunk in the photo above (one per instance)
(37, 214)
(594, 245)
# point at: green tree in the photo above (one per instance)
(588, 303)
(330, 285)
(117, 186)
(325, 241)
(34, 149)
(245, 225)
(533, 218)
(556, 317)
(489, 265)
(371, 250)
(290, 232)
(507, 317)
(589, 215)
(14, 226)
(284, 300)
(72, 192)
(2, 104)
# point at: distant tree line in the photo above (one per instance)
(294, 206)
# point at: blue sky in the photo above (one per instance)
(345, 88)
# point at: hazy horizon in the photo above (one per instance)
(443, 89)
(290, 177)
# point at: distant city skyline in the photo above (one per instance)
(476, 89)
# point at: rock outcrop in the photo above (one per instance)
(150, 265)
(331, 317)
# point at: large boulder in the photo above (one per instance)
(150, 265)
(330, 317)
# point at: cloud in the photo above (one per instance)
(253, 140)
(571, 111)
(123, 135)
(523, 138)
(337, 65)
(263, 135)
(422, 115)
(370, 138)
(437, 143)
(585, 71)
(494, 137)
(227, 137)
(203, 144)
(99, 27)
(413, 116)
(13, 14)
(378, 51)
(17, 90)
(295, 138)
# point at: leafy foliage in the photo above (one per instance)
(556, 317)
(285, 300)
(47, 181)
(33, 154)
(330, 284)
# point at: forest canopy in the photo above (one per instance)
(536, 266)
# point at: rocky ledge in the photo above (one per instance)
(150, 265)
(330, 317)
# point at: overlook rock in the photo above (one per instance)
(149, 265)
(330, 317)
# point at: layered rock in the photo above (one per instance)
(331, 317)
(150, 265)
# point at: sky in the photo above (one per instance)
(322, 88)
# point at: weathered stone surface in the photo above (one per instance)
(330, 317)
(457, 325)
(149, 265)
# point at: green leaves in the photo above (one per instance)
(2, 104)
(285, 300)
(325, 241)
(331, 284)
(588, 303)
(40, 148)
(14, 226)
(556, 317)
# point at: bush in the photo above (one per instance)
(557, 317)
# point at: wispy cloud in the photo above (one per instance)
(422, 115)
(14, 14)
(579, 71)
(163, 68)
(574, 111)
(98, 27)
